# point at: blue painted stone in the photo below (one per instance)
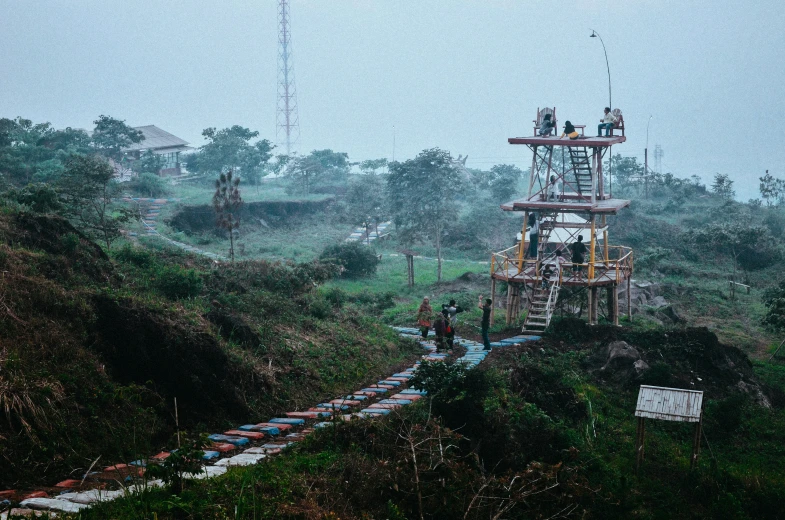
(377, 411)
(356, 397)
(238, 441)
(248, 428)
(217, 437)
(414, 391)
(210, 455)
(269, 430)
(389, 383)
(377, 390)
(496, 344)
(321, 424)
(287, 420)
(395, 401)
(331, 406)
(139, 462)
(402, 374)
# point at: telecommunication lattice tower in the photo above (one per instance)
(287, 119)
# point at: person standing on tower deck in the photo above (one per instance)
(578, 250)
(546, 127)
(424, 314)
(553, 189)
(607, 122)
(534, 235)
(570, 131)
(485, 323)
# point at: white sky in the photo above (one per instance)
(459, 74)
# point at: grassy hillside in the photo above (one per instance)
(94, 349)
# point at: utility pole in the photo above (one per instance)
(287, 129)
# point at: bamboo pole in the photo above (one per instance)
(493, 297)
(591, 249)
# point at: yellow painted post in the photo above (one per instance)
(605, 238)
(591, 250)
(522, 246)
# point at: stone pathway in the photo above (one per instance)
(358, 235)
(152, 210)
(250, 443)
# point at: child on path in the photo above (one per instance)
(424, 314)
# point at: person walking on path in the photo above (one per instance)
(453, 309)
(607, 122)
(578, 250)
(440, 329)
(424, 315)
(534, 235)
(485, 323)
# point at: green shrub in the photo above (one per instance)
(356, 259)
(150, 185)
(134, 255)
(177, 282)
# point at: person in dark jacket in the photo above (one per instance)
(546, 127)
(578, 250)
(440, 328)
(452, 311)
(534, 235)
(485, 323)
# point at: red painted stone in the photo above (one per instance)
(387, 406)
(386, 387)
(35, 494)
(410, 397)
(369, 394)
(70, 483)
(255, 436)
(223, 447)
(7, 494)
(282, 427)
(116, 467)
(302, 415)
(347, 402)
(161, 456)
(400, 379)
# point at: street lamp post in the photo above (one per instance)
(595, 34)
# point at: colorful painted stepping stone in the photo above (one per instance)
(70, 483)
(303, 415)
(396, 401)
(410, 397)
(287, 420)
(255, 436)
(376, 411)
(223, 447)
(347, 402)
(281, 426)
(210, 455)
(161, 456)
(375, 390)
(387, 406)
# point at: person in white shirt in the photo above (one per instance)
(606, 122)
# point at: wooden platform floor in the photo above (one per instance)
(607, 206)
(590, 141)
(569, 279)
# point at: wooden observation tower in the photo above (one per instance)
(567, 194)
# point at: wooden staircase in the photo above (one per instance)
(541, 307)
(581, 166)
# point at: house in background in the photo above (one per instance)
(161, 143)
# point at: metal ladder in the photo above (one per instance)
(541, 307)
(582, 169)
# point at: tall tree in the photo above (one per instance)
(365, 203)
(87, 187)
(503, 181)
(227, 202)
(318, 166)
(422, 195)
(233, 149)
(770, 189)
(371, 166)
(723, 186)
(111, 136)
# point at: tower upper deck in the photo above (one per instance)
(583, 141)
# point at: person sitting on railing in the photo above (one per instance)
(546, 127)
(578, 250)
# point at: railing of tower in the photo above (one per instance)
(619, 266)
